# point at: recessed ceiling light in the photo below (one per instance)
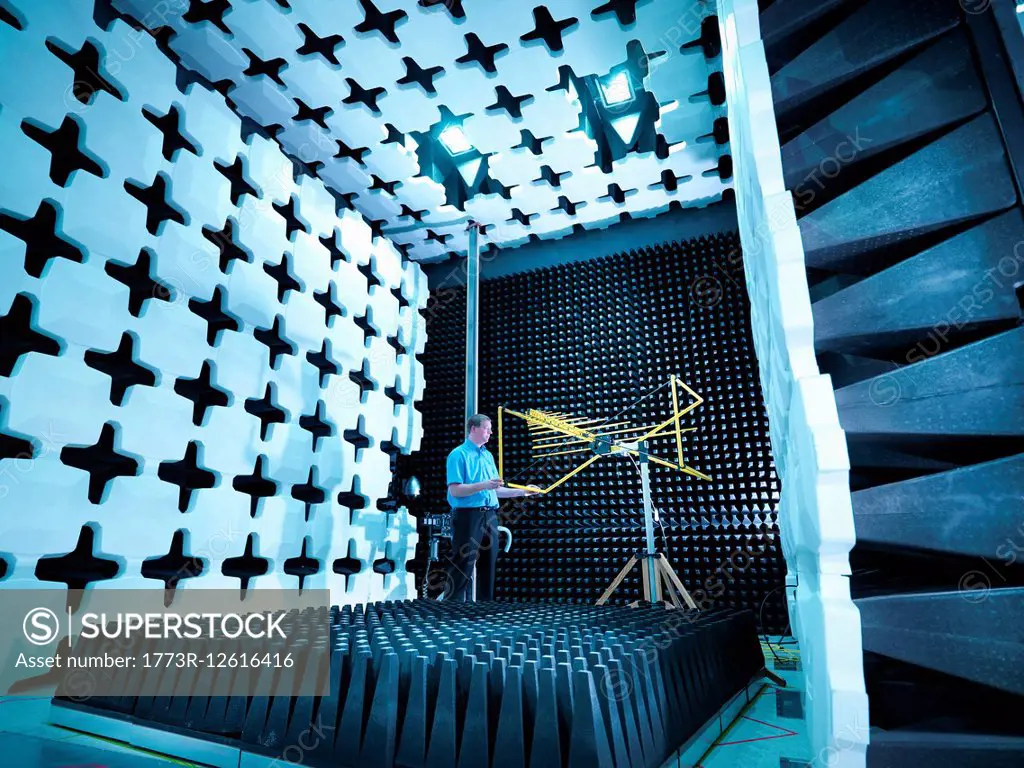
(616, 89)
(455, 140)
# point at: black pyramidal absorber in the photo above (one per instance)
(176, 565)
(123, 368)
(481, 685)
(81, 566)
(102, 461)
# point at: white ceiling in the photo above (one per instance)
(434, 37)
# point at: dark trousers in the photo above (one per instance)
(474, 543)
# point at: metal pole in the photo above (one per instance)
(651, 563)
(472, 342)
(472, 318)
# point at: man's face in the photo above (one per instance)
(481, 434)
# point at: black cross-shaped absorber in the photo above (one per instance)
(138, 279)
(257, 486)
(314, 45)
(213, 313)
(324, 362)
(122, 367)
(18, 336)
(227, 243)
(159, 206)
(102, 461)
(246, 566)
(274, 341)
(266, 410)
(89, 77)
(175, 566)
(187, 474)
(309, 493)
(303, 565)
(81, 566)
(67, 153)
(203, 393)
(314, 424)
(170, 126)
(43, 241)
(282, 274)
(236, 174)
(328, 300)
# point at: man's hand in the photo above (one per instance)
(492, 485)
(531, 490)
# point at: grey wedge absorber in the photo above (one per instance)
(974, 639)
(954, 180)
(969, 511)
(874, 34)
(936, 88)
(973, 391)
(939, 294)
(785, 19)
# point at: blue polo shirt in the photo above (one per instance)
(470, 464)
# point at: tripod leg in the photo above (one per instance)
(647, 583)
(618, 580)
(669, 587)
(676, 582)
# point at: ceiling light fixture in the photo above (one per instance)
(616, 89)
(455, 141)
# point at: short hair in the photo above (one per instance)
(477, 420)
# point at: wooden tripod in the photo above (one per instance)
(664, 577)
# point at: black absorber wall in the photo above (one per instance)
(598, 338)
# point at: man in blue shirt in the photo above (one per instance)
(473, 492)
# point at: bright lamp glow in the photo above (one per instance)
(455, 140)
(616, 89)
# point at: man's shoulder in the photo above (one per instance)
(458, 449)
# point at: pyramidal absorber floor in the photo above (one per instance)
(419, 684)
